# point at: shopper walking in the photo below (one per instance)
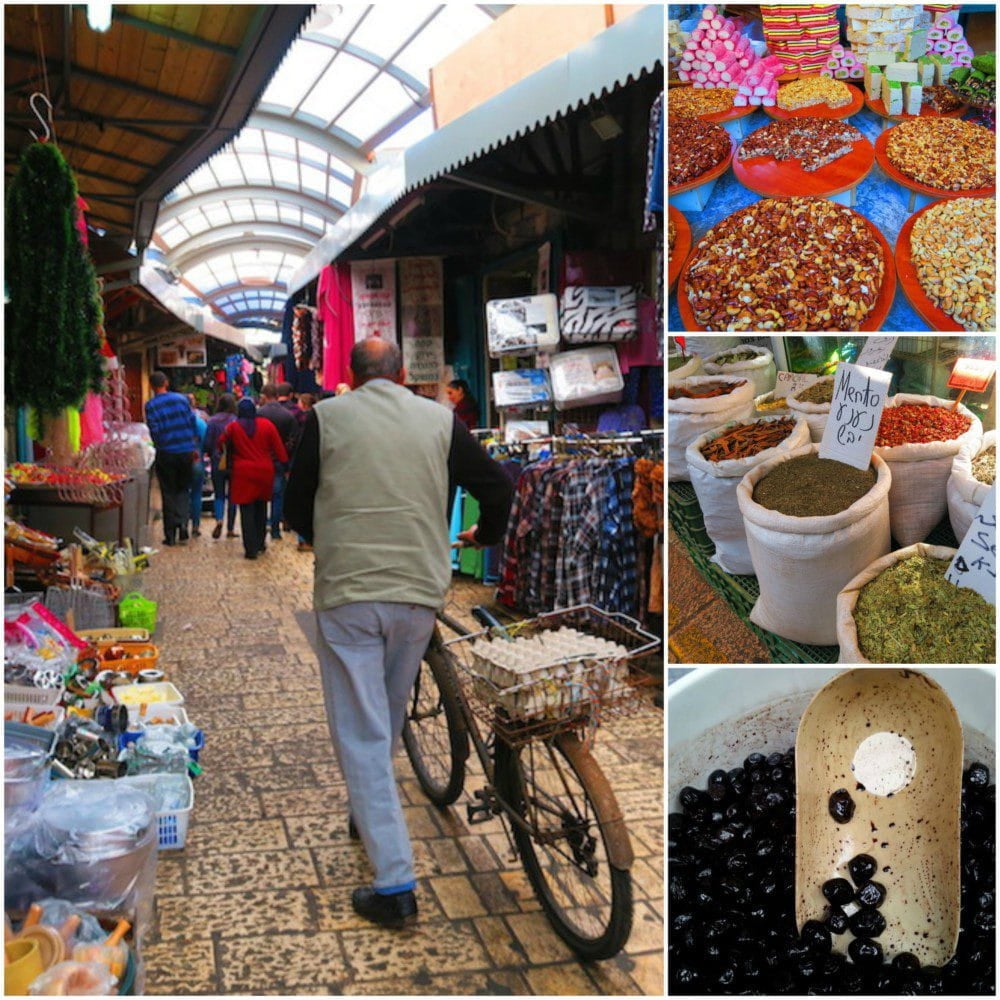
(256, 447)
(460, 396)
(279, 415)
(306, 402)
(173, 430)
(370, 488)
(198, 476)
(224, 415)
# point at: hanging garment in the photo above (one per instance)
(652, 217)
(335, 309)
(302, 336)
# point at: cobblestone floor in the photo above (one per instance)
(259, 901)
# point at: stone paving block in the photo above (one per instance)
(647, 882)
(294, 779)
(343, 865)
(497, 897)
(648, 973)
(494, 983)
(209, 808)
(480, 856)
(226, 873)
(520, 888)
(437, 857)
(181, 966)
(454, 946)
(236, 836)
(328, 804)
(536, 937)
(457, 896)
(560, 980)
(500, 941)
(171, 872)
(614, 977)
(647, 930)
(281, 963)
(239, 914)
(420, 822)
(326, 829)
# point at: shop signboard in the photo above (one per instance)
(858, 400)
(422, 313)
(189, 352)
(876, 352)
(373, 290)
(789, 383)
(975, 562)
(971, 374)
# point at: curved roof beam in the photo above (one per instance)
(334, 142)
(235, 233)
(197, 257)
(331, 210)
(387, 66)
(278, 287)
(254, 314)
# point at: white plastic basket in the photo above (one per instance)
(155, 696)
(21, 695)
(174, 715)
(171, 825)
(14, 712)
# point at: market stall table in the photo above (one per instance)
(821, 110)
(921, 195)
(693, 196)
(837, 181)
(682, 245)
(926, 111)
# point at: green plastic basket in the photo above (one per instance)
(136, 611)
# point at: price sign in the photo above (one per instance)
(975, 562)
(971, 374)
(858, 399)
(789, 383)
(876, 352)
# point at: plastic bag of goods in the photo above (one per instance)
(78, 979)
(754, 363)
(813, 402)
(919, 436)
(682, 366)
(522, 387)
(698, 405)
(704, 346)
(599, 315)
(523, 325)
(839, 525)
(901, 609)
(586, 377)
(715, 476)
(973, 472)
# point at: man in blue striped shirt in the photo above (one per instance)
(174, 432)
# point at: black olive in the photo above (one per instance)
(837, 920)
(691, 798)
(978, 776)
(841, 805)
(838, 890)
(905, 962)
(684, 975)
(871, 894)
(727, 976)
(754, 760)
(675, 825)
(867, 923)
(775, 799)
(703, 878)
(833, 965)
(984, 921)
(680, 920)
(738, 863)
(815, 936)
(775, 759)
(765, 848)
(865, 952)
(862, 868)
(718, 786)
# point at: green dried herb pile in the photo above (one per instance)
(911, 614)
(984, 466)
(734, 358)
(676, 361)
(809, 486)
(818, 392)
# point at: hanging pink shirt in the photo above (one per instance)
(335, 308)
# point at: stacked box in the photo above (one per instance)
(892, 96)
(912, 98)
(801, 35)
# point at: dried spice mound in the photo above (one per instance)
(911, 614)
(809, 486)
(984, 466)
(676, 361)
(747, 440)
(914, 423)
(735, 357)
(819, 392)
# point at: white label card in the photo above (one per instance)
(858, 399)
(789, 383)
(975, 562)
(876, 352)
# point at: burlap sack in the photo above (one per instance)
(965, 493)
(760, 369)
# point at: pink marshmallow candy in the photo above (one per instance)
(740, 101)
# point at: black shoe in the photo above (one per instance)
(196, 533)
(232, 534)
(217, 530)
(250, 555)
(275, 536)
(352, 830)
(396, 911)
(169, 541)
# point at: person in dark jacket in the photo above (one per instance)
(461, 398)
(224, 415)
(274, 410)
(369, 487)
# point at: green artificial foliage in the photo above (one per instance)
(54, 310)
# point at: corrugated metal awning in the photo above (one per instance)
(621, 53)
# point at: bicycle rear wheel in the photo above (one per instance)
(577, 853)
(434, 732)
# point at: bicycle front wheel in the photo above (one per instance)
(434, 732)
(575, 850)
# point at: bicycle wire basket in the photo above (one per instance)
(593, 678)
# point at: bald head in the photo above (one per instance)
(376, 358)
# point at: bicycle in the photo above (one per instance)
(559, 810)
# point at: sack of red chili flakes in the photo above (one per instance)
(918, 438)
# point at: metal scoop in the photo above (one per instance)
(878, 771)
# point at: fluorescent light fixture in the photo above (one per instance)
(606, 126)
(99, 16)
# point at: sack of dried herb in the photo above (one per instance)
(965, 491)
(715, 484)
(679, 366)
(901, 609)
(755, 363)
(919, 495)
(688, 419)
(802, 563)
(815, 413)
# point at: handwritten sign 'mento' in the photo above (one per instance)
(975, 562)
(858, 399)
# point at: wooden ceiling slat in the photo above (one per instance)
(238, 19)
(214, 21)
(186, 17)
(154, 51)
(109, 48)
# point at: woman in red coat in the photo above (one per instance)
(255, 447)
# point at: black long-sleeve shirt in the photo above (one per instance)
(468, 466)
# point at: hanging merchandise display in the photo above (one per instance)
(421, 301)
(373, 287)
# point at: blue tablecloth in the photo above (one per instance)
(881, 200)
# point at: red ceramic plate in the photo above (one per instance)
(822, 110)
(784, 178)
(926, 111)
(936, 318)
(723, 116)
(874, 320)
(882, 159)
(717, 171)
(682, 245)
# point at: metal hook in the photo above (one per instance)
(43, 121)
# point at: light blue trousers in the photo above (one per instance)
(369, 657)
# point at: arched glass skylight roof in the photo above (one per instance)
(355, 83)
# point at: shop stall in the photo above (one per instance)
(819, 152)
(849, 502)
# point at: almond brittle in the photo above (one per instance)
(944, 153)
(693, 148)
(814, 141)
